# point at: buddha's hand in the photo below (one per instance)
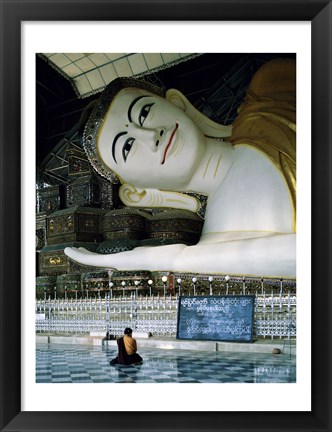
(141, 258)
(85, 257)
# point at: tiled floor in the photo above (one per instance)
(90, 364)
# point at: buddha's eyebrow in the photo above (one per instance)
(114, 143)
(132, 105)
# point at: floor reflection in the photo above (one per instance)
(72, 363)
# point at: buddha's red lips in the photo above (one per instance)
(169, 143)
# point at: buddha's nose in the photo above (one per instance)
(150, 137)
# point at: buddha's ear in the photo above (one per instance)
(130, 196)
(135, 197)
(207, 126)
(176, 98)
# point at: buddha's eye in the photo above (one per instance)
(144, 113)
(127, 147)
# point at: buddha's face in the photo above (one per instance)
(149, 142)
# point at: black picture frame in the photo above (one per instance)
(319, 13)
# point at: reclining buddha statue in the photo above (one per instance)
(161, 148)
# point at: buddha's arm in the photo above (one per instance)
(272, 255)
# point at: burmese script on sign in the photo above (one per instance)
(220, 318)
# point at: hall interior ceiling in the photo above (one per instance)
(66, 83)
(89, 73)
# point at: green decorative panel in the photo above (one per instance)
(81, 224)
(45, 286)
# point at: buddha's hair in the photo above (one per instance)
(98, 110)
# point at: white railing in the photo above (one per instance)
(274, 317)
